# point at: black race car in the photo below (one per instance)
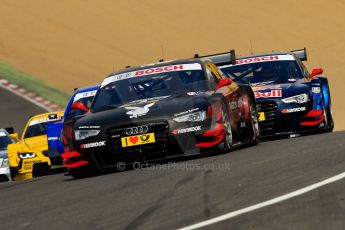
(159, 111)
(290, 100)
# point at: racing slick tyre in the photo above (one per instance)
(228, 139)
(327, 111)
(81, 173)
(40, 169)
(77, 174)
(14, 171)
(254, 122)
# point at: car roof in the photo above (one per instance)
(87, 89)
(159, 64)
(45, 115)
(3, 130)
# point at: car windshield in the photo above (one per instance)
(4, 141)
(272, 71)
(36, 129)
(132, 89)
(86, 101)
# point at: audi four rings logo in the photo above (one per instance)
(137, 130)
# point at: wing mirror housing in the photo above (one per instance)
(15, 136)
(79, 106)
(316, 71)
(224, 82)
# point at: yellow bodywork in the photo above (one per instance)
(30, 149)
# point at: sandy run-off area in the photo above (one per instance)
(74, 43)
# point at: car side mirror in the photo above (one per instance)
(15, 136)
(224, 82)
(316, 71)
(79, 106)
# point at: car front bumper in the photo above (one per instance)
(279, 121)
(169, 143)
(5, 174)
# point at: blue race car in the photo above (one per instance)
(290, 100)
(82, 96)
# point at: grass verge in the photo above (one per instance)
(29, 82)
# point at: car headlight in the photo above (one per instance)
(26, 155)
(83, 134)
(301, 98)
(191, 117)
(3, 163)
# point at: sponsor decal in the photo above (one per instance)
(136, 112)
(144, 72)
(316, 89)
(186, 130)
(272, 93)
(38, 121)
(186, 112)
(53, 117)
(50, 117)
(137, 130)
(195, 93)
(146, 100)
(90, 127)
(260, 88)
(92, 145)
(294, 110)
(138, 140)
(159, 70)
(284, 57)
(53, 138)
(79, 96)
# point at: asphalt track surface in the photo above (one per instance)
(15, 111)
(192, 190)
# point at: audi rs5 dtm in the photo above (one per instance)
(290, 100)
(160, 111)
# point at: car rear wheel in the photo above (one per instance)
(80, 173)
(77, 174)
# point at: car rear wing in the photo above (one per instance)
(301, 54)
(221, 58)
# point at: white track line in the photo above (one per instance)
(265, 203)
(26, 98)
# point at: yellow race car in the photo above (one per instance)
(29, 157)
